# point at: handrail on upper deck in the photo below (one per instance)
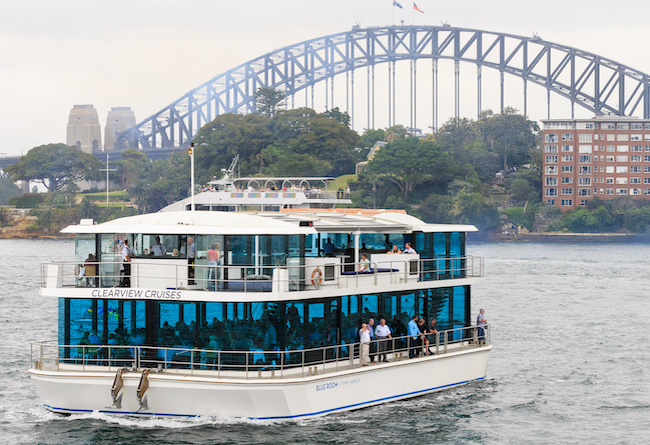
(255, 363)
(162, 274)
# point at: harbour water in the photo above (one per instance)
(571, 362)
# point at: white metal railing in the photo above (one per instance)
(162, 274)
(251, 364)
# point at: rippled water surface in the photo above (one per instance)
(570, 364)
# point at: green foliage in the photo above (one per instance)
(580, 220)
(342, 117)
(370, 137)
(437, 209)
(53, 220)
(520, 189)
(54, 165)
(27, 200)
(268, 100)
(7, 190)
(395, 132)
(411, 161)
(88, 210)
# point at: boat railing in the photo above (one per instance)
(163, 274)
(253, 364)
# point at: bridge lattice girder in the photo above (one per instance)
(596, 83)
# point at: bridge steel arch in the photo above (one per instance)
(596, 83)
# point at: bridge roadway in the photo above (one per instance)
(152, 154)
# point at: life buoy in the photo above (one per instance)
(316, 277)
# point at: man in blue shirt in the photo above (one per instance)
(414, 336)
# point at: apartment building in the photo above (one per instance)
(605, 157)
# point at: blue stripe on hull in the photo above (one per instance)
(73, 411)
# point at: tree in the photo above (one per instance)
(342, 117)
(268, 100)
(412, 161)
(7, 190)
(370, 137)
(88, 209)
(520, 188)
(395, 132)
(55, 164)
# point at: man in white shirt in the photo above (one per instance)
(126, 264)
(383, 333)
(191, 253)
(158, 249)
(481, 322)
(364, 338)
(408, 248)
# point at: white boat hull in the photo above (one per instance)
(182, 394)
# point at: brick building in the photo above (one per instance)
(605, 157)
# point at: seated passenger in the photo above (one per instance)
(159, 249)
(364, 264)
(395, 250)
(408, 248)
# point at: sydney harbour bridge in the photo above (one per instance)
(366, 71)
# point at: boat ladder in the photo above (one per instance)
(118, 383)
(142, 389)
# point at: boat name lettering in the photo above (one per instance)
(325, 386)
(137, 293)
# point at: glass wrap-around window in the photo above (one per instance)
(251, 326)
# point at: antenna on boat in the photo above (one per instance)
(191, 153)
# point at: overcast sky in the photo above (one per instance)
(147, 53)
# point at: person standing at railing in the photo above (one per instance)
(429, 332)
(364, 338)
(414, 336)
(481, 323)
(213, 261)
(126, 264)
(383, 333)
(373, 345)
(364, 264)
(191, 254)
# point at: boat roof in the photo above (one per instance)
(266, 223)
(276, 179)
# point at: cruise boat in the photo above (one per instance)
(263, 322)
(255, 193)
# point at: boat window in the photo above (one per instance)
(84, 245)
(160, 246)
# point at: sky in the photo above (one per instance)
(145, 54)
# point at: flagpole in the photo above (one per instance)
(413, 12)
(392, 7)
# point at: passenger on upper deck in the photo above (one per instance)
(328, 248)
(395, 250)
(408, 248)
(364, 264)
(159, 249)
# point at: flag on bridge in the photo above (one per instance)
(417, 9)
(397, 4)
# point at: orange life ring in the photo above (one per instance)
(316, 277)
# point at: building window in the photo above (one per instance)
(637, 148)
(611, 148)
(621, 169)
(635, 191)
(636, 126)
(551, 181)
(567, 148)
(551, 192)
(609, 180)
(621, 158)
(584, 159)
(635, 169)
(584, 181)
(551, 202)
(646, 159)
(552, 159)
(550, 170)
(646, 180)
(621, 181)
(647, 126)
(567, 169)
(584, 192)
(602, 158)
(621, 191)
(584, 137)
(602, 191)
(609, 169)
(567, 202)
(622, 137)
(622, 127)
(607, 126)
(567, 158)
(584, 170)
(646, 191)
(622, 148)
(567, 137)
(584, 148)
(610, 158)
(609, 191)
(583, 202)
(647, 148)
(569, 180)
(550, 149)
(646, 169)
(635, 137)
(611, 137)
(635, 158)
(595, 191)
(551, 138)
(635, 180)
(602, 168)
(567, 191)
